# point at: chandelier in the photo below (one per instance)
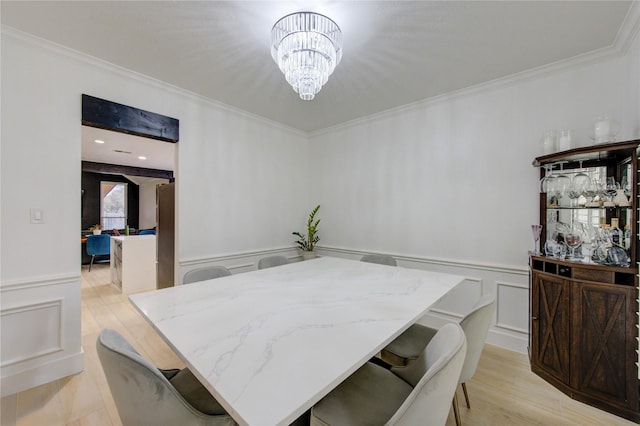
(307, 47)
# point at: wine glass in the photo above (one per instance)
(579, 184)
(573, 239)
(590, 192)
(536, 230)
(546, 183)
(574, 193)
(610, 189)
(625, 186)
(561, 185)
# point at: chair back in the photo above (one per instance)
(206, 273)
(147, 232)
(381, 259)
(271, 261)
(434, 377)
(98, 245)
(142, 394)
(476, 326)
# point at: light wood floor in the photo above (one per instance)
(503, 391)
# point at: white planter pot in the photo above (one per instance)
(97, 231)
(306, 255)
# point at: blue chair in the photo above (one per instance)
(147, 232)
(98, 245)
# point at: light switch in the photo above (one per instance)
(37, 216)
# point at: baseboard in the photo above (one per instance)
(43, 373)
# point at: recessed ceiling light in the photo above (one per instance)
(98, 141)
(141, 157)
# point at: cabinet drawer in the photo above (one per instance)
(593, 275)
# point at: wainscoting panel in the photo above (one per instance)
(238, 262)
(460, 300)
(41, 335)
(510, 307)
(44, 339)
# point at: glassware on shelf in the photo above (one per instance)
(555, 244)
(574, 193)
(618, 256)
(546, 183)
(602, 245)
(625, 186)
(610, 189)
(590, 193)
(565, 140)
(549, 142)
(605, 129)
(536, 230)
(579, 185)
(589, 244)
(600, 191)
(561, 185)
(574, 239)
(627, 237)
(617, 236)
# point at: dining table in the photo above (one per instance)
(270, 343)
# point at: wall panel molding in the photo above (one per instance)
(33, 282)
(288, 251)
(237, 262)
(430, 260)
(502, 320)
(32, 346)
(41, 339)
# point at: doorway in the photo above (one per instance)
(113, 162)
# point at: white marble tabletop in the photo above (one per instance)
(269, 344)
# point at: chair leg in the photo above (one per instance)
(456, 410)
(466, 395)
(91, 263)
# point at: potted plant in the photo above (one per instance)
(96, 229)
(307, 243)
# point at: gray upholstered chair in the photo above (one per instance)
(271, 261)
(206, 273)
(145, 395)
(418, 394)
(408, 346)
(382, 259)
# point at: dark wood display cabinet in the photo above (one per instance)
(584, 310)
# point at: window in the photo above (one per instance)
(113, 205)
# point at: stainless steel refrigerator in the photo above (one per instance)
(165, 234)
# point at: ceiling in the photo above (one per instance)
(395, 52)
(124, 149)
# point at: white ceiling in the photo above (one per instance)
(395, 52)
(124, 149)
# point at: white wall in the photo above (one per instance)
(448, 184)
(241, 188)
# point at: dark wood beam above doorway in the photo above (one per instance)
(109, 115)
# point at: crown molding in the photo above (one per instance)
(624, 40)
(629, 28)
(86, 59)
